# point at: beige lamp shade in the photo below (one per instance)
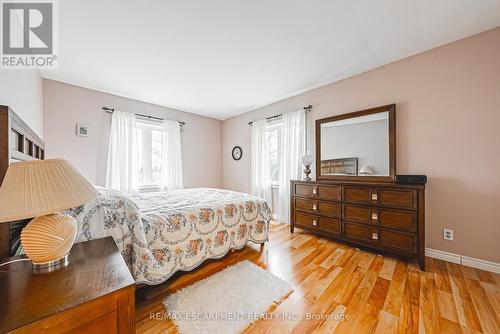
(41, 187)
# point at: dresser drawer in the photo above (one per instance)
(382, 239)
(405, 220)
(357, 195)
(319, 224)
(332, 193)
(328, 209)
(330, 226)
(307, 190)
(362, 214)
(305, 205)
(400, 198)
(398, 241)
(306, 221)
(360, 233)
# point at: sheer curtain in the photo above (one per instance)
(171, 164)
(293, 146)
(122, 170)
(260, 167)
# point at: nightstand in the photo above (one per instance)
(93, 294)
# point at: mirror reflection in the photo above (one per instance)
(357, 146)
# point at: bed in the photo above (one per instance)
(158, 234)
(162, 233)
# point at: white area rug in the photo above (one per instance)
(226, 302)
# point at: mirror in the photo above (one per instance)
(358, 145)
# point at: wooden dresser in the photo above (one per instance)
(385, 217)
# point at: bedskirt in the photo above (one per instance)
(161, 233)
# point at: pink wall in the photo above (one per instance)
(66, 105)
(21, 90)
(448, 121)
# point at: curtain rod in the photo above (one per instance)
(307, 109)
(111, 110)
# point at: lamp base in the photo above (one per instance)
(307, 171)
(51, 265)
(48, 239)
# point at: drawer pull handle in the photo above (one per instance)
(374, 196)
(314, 207)
(314, 191)
(375, 236)
(374, 216)
(315, 223)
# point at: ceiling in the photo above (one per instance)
(222, 58)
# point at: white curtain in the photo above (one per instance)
(260, 168)
(171, 164)
(293, 146)
(122, 170)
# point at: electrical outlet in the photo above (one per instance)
(447, 234)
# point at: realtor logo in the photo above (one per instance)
(28, 34)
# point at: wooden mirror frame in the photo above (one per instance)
(391, 108)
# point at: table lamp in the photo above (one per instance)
(307, 161)
(42, 189)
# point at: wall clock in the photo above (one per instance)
(237, 153)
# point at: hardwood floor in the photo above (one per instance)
(377, 294)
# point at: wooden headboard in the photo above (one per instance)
(18, 142)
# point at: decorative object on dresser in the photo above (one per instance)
(382, 216)
(307, 161)
(38, 188)
(93, 294)
(365, 208)
(365, 170)
(411, 179)
(342, 166)
(18, 142)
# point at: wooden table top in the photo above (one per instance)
(96, 268)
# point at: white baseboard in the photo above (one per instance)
(481, 264)
(437, 254)
(464, 260)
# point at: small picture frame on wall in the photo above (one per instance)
(82, 130)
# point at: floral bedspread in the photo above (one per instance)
(161, 233)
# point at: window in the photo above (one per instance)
(273, 142)
(144, 155)
(149, 140)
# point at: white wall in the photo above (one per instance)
(66, 105)
(21, 90)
